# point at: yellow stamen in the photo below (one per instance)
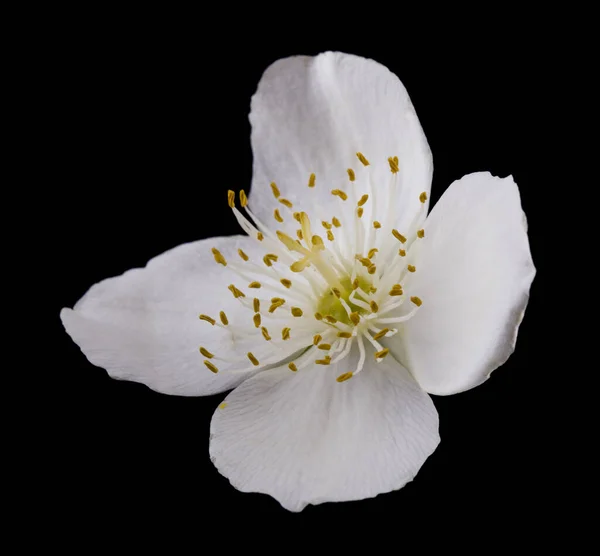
(396, 290)
(218, 256)
(243, 198)
(381, 354)
(255, 285)
(324, 347)
(416, 300)
(223, 318)
(344, 335)
(211, 367)
(351, 174)
(297, 312)
(423, 197)
(285, 333)
(345, 377)
(326, 225)
(292, 367)
(359, 212)
(207, 319)
(257, 320)
(396, 160)
(277, 216)
(363, 200)
(339, 193)
(256, 305)
(276, 302)
(336, 222)
(393, 165)
(299, 234)
(411, 268)
(253, 359)
(381, 334)
(325, 361)
(421, 233)
(298, 266)
(362, 158)
(265, 333)
(317, 339)
(330, 235)
(355, 284)
(317, 241)
(267, 261)
(242, 254)
(287, 283)
(373, 289)
(376, 224)
(231, 198)
(372, 252)
(318, 316)
(275, 190)
(236, 293)
(223, 405)
(311, 180)
(364, 260)
(330, 319)
(355, 318)
(372, 269)
(399, 236)
(374, 306)
(206, 353)
(402, 252)
(336, 292)
(259, 236)
(285, 202)
(287, 241)
(297, 216)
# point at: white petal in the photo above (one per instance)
(143, 325)
(304, 438)
(474, 270)
(312, 114)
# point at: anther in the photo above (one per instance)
(416, 300)
(231, 198)
(396, 290)
(253, 359)
(223, 318)
(223, 405)
(206, 353)
(285, 333)
(255, 285)
(275, 190)
(345, 377)
(256, 305)
(399, 236)
(421, 233)
(372, 252)
(243, 198)
(336, 222)
(411, 268)
(297, 312)
(292, 367)
(326, 225)
(330, 319)
(374, 307)
(242, 255)
(325, 361)
(339, 193)
(363, 200)
(359, 212)
(207, 319)
(355, 284)
(259, 236)
(372, 269)
(381, 354)
(381, 334)
(311, 180)
(354, 317)
(285, 202)
(336, 292)
(218, 256)
(330, 235)
(318, 316)
(236, 293)
(393, 165)
(256, 318)
(297, 217)
(402, 252)
(300, 235)
(423, 197)
(362, 158)
(351, 174)
(344, 335)
(211, 367)
(277, 216)
(265, 333)
(324, 347)
(317, 338)
(376, 224)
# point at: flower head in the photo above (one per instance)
(341, 307)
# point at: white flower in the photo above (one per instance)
(344, 304)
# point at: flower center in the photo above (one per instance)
(322, 296)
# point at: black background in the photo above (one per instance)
(153, 116)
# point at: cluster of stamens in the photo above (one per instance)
(326, 293)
